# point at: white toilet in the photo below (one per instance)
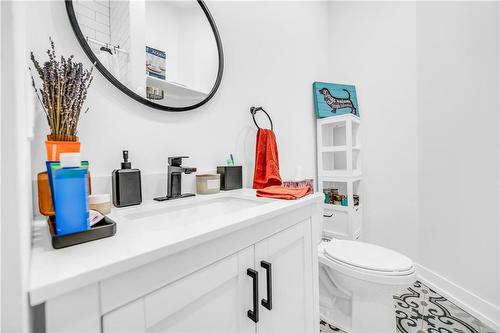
(357, 283)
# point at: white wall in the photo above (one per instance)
(427, 79)
(372, 45)
(15, 192)
(458, 144)
(273, 54)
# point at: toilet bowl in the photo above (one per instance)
(357, 283)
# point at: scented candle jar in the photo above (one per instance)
(100, 203)
(208, 184)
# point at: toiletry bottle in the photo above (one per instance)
(70, 197)
(126, 184)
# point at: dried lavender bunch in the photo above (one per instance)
(63, 91)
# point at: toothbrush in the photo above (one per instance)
(232, 160)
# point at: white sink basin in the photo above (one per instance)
(191, 211)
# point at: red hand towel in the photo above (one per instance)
(267, 168)
(287, 193)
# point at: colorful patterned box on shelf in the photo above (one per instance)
(300, 183)
(331, 99)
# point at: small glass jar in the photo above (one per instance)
(208, 184)
(100, 203)
(328, 196)
(337, 200)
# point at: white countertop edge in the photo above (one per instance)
(44, 288)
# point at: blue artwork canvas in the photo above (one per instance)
(332, 99)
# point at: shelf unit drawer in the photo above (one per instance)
(335, 223)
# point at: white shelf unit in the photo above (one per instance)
(339, 167)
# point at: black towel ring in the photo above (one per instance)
(253, 111)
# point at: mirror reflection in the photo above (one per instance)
(163, 51)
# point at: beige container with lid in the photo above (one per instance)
(100, 203)
(208, 184)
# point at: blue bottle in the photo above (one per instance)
(70, 192)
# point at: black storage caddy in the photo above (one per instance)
(231, 177)
(104, 228)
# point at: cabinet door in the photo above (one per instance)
(213, 299)
(288, 255)
(129, 318)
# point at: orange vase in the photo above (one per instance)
(45, 204)
(55, 148)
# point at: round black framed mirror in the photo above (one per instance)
(164, 54)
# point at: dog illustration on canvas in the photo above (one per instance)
(338, 102)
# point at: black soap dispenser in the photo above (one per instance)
(126, 184)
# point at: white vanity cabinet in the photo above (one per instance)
(253, 271)
(213, 299)
(217, 298)
(290, 256)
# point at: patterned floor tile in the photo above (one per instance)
(410, 305)
(432, 313)
(324, 327)
(420, 309)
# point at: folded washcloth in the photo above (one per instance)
(267, 168)
(94, 217)
(287, 193)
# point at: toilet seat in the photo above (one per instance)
(366, 261)
(367, 256)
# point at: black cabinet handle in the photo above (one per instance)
(268, 303)
(254, 314)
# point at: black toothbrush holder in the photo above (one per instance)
(231, 177)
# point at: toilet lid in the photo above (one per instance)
(367, 256)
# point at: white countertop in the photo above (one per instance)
(55, 272)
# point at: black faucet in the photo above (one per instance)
(174, 177)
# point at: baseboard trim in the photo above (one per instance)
(483, 310)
